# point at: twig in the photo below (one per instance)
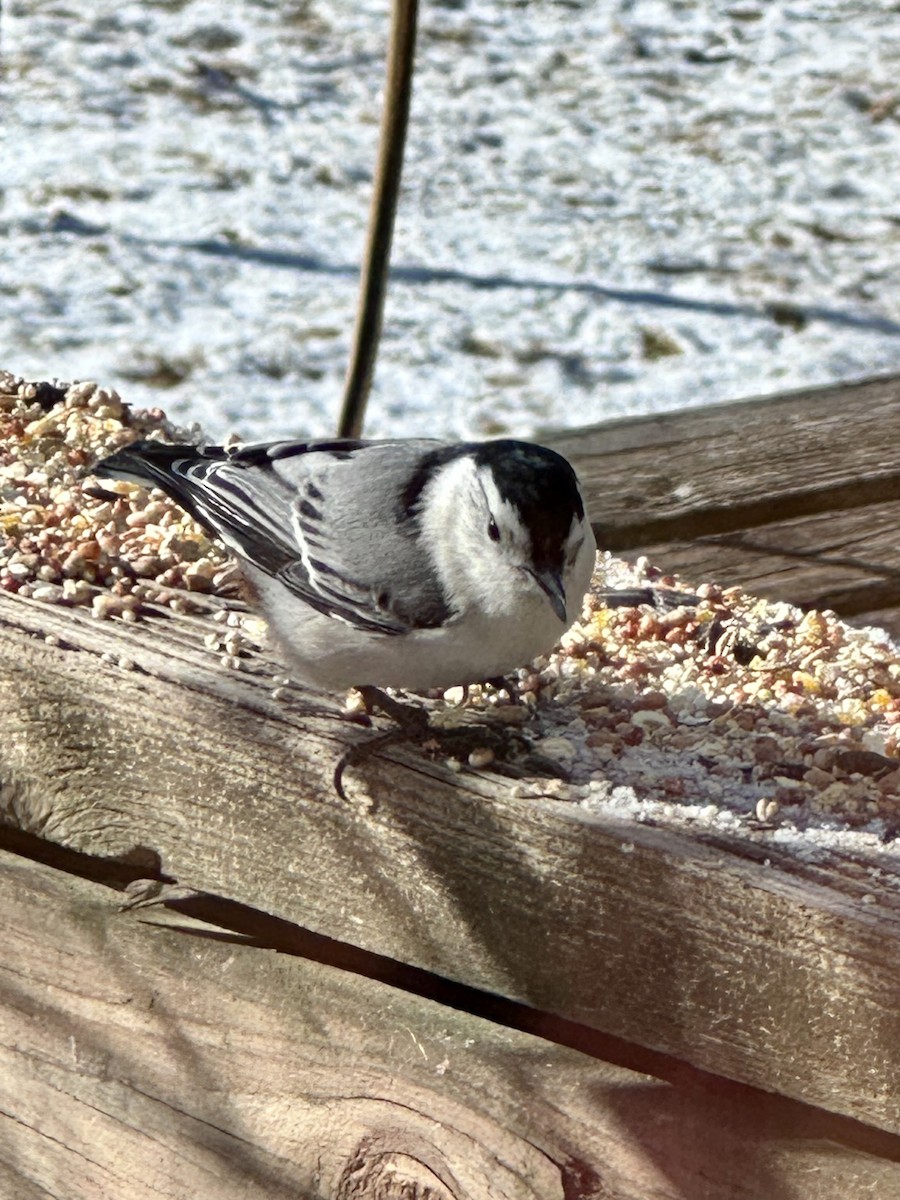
(374, 275)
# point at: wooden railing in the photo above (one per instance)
(454, 984)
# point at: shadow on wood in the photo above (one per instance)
(440, 986)
(773, 975)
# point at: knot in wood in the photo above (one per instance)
(377, 1172)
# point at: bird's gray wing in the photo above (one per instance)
(251, 514)
(334, 522)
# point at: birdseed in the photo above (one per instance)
(115, 555)
(733, 712)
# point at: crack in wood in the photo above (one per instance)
(248, 926)
(698, 521)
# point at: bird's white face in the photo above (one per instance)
(508, 551)
(489, 558)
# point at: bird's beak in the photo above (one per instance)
(550, 582)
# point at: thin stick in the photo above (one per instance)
(374, 276)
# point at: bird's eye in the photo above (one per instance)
(493, 531)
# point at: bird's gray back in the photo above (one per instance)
(353, 518)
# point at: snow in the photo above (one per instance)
(589, 187)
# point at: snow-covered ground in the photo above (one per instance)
(609, 207)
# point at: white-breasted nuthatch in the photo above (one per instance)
(415, 564)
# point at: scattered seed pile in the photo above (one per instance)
(61, 545)
(730, 711)
(725, 710)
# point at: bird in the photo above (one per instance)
(414, 564)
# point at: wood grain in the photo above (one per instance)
(753, 462)
(745, 963)
(794, 497)
(848, 562)
(167, 1062)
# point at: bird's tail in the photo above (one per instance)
(155, 464)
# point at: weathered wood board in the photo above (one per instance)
(735, 466)
(172, 1062)
(752, 966)
(848, 562)
(148, 1063)
(794, 496)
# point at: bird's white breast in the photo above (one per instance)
(331, 655)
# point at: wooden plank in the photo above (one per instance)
(163, 1063)
(846, 561)
(792, 496)
(724, 467)
(183, 1067)
(12, 1182)
(734, 958)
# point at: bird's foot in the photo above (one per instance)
(478, 743)
(412, 723)
(411, 718)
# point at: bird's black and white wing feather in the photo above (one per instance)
(327, 519)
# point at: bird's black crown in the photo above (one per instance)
(542, 486)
